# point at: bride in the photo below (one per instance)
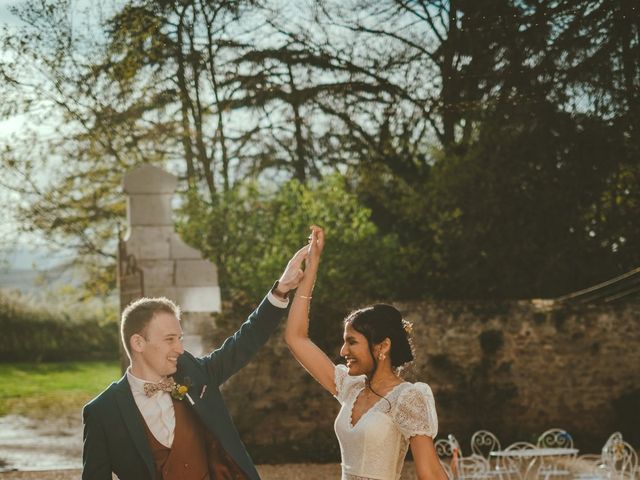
(381, 415)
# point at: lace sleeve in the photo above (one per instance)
(345, 383)
(416, 412)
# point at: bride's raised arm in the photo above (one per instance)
(296, 333)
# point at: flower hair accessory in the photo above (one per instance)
(407, 327)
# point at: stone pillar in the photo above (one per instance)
(163, 265)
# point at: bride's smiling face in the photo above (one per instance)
(355, 350)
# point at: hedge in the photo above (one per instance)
(31, 334)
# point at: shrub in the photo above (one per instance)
(35, 334)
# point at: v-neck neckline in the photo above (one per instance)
(351, 424)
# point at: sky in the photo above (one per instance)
(7, 225)
(5, 16)
(8, 19)
(19, 250)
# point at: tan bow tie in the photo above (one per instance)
(166, 385)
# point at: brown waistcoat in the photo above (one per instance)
(187, 457)
(195, 454)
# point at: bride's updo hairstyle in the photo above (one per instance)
(382, 321)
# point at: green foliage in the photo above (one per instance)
(252, 233)
(523, 212)
(45, 389)
(35, 334)
(401, 207)
(534, 206)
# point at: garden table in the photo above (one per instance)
(533, 454)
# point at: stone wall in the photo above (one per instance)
(507, 367)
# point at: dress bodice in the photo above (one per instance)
(375, 447)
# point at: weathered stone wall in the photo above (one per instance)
(507, 367)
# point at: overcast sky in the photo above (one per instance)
(19, 251)
(5, 16)
(6, 127)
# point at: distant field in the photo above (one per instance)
(43, 389)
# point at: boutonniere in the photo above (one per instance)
(179, 391)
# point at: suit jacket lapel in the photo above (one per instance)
(133, 420)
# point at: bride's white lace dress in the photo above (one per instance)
(375, 447)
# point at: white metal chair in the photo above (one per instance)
(614, 437)
(623, 462)
(608, 449)
(599, 467)
(447, 469)
(443, 449)
(589, 466)
(519, 467)
(483, 442)
(554, 438)
(473, 467)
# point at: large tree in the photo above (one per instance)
(532, 166)
(498, 140)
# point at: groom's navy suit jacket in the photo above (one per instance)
(114, 435)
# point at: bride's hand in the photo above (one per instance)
(316, 245)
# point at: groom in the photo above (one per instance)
(165, 419)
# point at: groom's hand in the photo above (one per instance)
(292, 274)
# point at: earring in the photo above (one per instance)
(381, 356)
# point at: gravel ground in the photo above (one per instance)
(52, 450)
(302, 471)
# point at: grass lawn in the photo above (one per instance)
(38, 390)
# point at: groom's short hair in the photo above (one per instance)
(137, 315)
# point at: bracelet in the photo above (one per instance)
(303, 296)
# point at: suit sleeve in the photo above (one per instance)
(95, 455)
(239, 348)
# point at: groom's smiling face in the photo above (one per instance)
(162, 344)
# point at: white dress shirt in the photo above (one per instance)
(157, 410)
